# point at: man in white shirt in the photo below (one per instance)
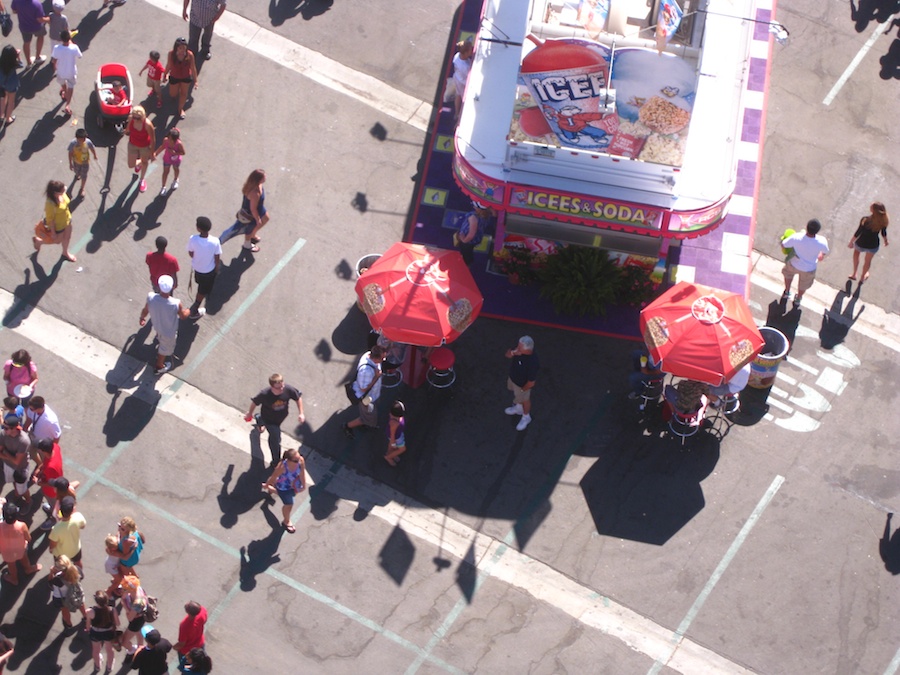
(41, 421)
(206, 257)
(64, 57)
(810, 248)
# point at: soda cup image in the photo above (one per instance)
(568, 81)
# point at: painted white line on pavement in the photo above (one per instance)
(678, 637)
(880, 30)
(873, 323)
(539, 580)
(316, 66)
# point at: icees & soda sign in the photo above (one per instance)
(585, 208)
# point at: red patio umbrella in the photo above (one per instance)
(420, 295)
(701, 333)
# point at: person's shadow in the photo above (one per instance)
(260, 554)
(228, 281)
(42, 132)
(149, 218)
(889, 547)
(837, 320)
(890, 62)
(113, 221)
(29, 293)
(91, 24)
(281, 11)
(246, 492)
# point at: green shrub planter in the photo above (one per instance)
(585, 281)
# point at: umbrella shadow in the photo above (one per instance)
(647, 492)
(838, 319)
(350, 335)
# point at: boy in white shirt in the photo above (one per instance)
(810, 248)
(64, 58)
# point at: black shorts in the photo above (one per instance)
(135, 624)
(180, 80)
(205, 281)
(106, 635)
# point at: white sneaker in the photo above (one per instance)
(174, 186)
(515, 410)
(524, 422)
(163, 190)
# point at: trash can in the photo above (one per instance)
(765, 366)
(366, 262)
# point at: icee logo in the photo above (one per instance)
(575, 87)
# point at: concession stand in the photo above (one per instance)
(605, 123)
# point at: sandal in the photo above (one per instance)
(255, 240)
(253, 248)
(290, 529)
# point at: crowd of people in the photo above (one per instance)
(121, 615)
(118, 615)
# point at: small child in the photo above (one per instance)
(57, 23)
(396, 433)
(173, 150)
(11, 405)
(155, 70)
(118, 95)
(112, 562)
(80, 150)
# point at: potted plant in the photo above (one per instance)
(585, 281)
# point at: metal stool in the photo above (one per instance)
(730, 404)
(391, 377)
(685, 425)
(440, 373)
(651, 392)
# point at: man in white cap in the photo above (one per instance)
(164, 311)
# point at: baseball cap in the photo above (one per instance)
(67, 505)
(59, 4)
(165, 283)
(11, 420)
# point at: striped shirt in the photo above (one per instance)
(204, 11)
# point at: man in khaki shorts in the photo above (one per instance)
(522, 375)
(809, 248)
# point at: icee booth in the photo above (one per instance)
(576, 130)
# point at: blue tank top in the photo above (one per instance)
(285, 482)
(260, 208)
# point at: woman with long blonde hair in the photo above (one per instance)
(865, 239)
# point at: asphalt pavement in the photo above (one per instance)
(591, 542)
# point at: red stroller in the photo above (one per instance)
(115, 113)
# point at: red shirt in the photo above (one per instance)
(50, 469)
(160, 264)
(190, 632)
